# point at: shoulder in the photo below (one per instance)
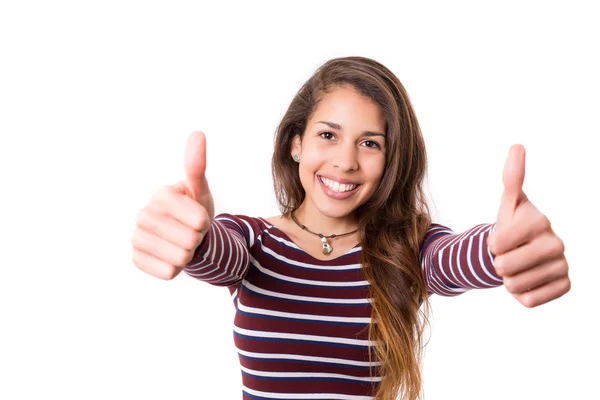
(436, 228)
(245, 219)
(247, 225)
(434, 231)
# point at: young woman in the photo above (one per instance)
(331, 296)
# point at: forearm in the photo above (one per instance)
(222, 259)
(454, 263)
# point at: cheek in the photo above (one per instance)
(313, 158)
(373, 168)
(308, 167)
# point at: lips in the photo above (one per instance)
(338, 186)
(338, 190)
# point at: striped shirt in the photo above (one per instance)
(301, 324)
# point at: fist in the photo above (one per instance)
(173, 224)
(529, 255)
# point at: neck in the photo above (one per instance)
(314, 220)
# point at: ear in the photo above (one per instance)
(296, 146)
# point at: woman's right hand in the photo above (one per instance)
(172, 225)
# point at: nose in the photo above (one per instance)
(346, 158)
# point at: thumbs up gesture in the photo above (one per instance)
(172, 225)
(529, 256)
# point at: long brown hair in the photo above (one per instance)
(392, 223)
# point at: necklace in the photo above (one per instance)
(327, 249)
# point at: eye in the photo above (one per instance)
(372, 144)
(326, 135)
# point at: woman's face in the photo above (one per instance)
(342, 153)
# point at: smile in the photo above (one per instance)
(336, 186)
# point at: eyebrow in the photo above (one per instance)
(339, 127)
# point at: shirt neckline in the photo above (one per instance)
(289, 239)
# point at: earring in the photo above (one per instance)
(297, 157)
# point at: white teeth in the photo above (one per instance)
(336, 186)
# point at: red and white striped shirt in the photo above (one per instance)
(301, 324)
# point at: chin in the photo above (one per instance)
(336, 210)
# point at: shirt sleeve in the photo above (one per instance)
(223, 257)
(454, 263)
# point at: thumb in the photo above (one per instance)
(513, 177)
(195, 165)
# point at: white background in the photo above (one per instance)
(98, 98)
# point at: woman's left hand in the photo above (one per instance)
(529, 255)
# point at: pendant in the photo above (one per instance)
(327, 249)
